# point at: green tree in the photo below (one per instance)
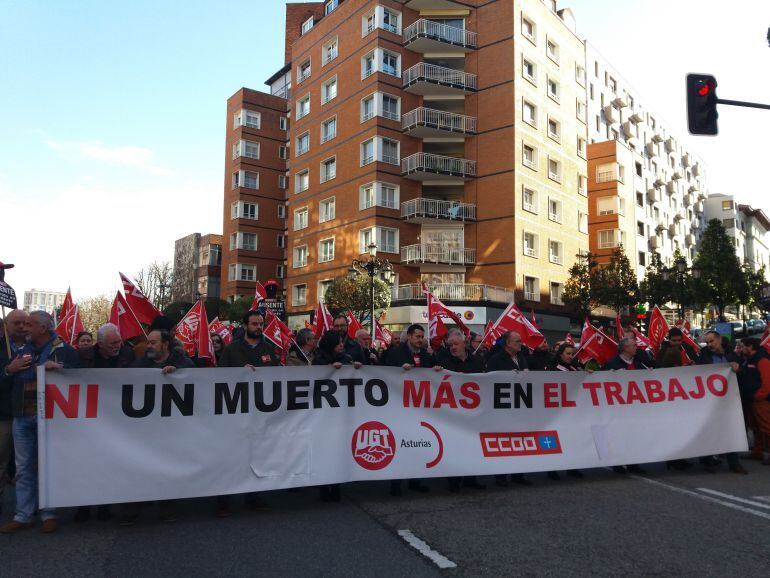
(237, 309)
(176, 310)
(721, 277)
(580, 289)
(615, 285)
(352, 292)
(753, 287)
(655, 289)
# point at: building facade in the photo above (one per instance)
(40, 300)
(197, 267)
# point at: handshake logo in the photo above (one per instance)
(373, 445)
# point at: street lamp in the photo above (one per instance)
(163, 287)
(371, 267)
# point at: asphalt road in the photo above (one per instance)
(664, 523)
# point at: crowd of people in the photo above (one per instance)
(32, 341)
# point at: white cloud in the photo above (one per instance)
(127, 156)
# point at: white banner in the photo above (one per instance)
(110, 436)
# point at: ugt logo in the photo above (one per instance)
(373, 445)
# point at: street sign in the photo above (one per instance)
(7, 296)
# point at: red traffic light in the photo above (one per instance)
(702, 104)
(704, 90)
(641, 315)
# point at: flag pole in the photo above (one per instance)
(7, 339)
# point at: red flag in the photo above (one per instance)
(568, 339)
(532, 317)
(122, 316)
(144, 311)
(658, 329)
(323, 320)
(70, 325)
(382, 334)
(512, 319)
(353, 324)
(436, 310)
(687, 338)
(186, 330)
(66, 305)
(203, 344)
(595, 344)
(224, 332)
(259, 295)
(277, 332)
(641, 341)
(766, 341)
(618, 328)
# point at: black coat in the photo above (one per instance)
(706, 357)
(239, 354)
(664, 347)
(403, 354)
(618, 363)
(471, 364)
(175, 359)
(502, 361)
(92, 357)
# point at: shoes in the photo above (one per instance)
(103, 513)
(334, 493)
(553, 476)
(636, 469)
(50, 526)
(417, 486)
(619, 470)
(738, 469)
(83, 514)
(575, 473)
(13, 527)
(521, 479)
(324, 494)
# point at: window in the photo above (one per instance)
(240, 272)
(283, 181)
(381, 149)
(529, 112)
(323, 287)
(581, 147)
(554, 129)
(528, 70)
(390, 63)
(727, 205)
(528, 29)
(554, 210)
(307, 25)
(241, 240)
(390, 20)
(531, 288)
(367, 152)
(385, 238)
(582, 185)
(642, 258)
(279, 272)
(281, 211)
(244, 210)
(582, 222)
(330, 6)
(389, 151)
(300, 218)
(640, 229)
(330, 51)
(283, 152)
(300, 256)
(303, 71)
(302, 144)
(607, 205)
(327, 209)
(246, 148)
(280, 240)
(555, 252)
(326, 250)
(640, 199)
(606, 172)
(529, 157)
(301, 181)
(367, 108)
(329, 90)
(328, 169)
(552, 50)
(554, 170)
(299, 294)
(580, 111)
(621, 173)
(303, 107)
(368, 65)
(556, 293)
(391, 107)
(608, 238)
(236, 182)
(283, 123)
(553, 89)
(378, 194)
(248, 179)
(580, 74)
(529, 200)
(530, 244)
(328, 129)
(247, 118)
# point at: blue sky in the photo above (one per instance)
(112, 115)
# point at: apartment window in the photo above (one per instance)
(244, 210)
(279, 271)
(621, 173)
(529, 200)
(642, 258)
(323, 287)
(554, 129)
(281, 211)
(529, 113)
(283, 152)
(379, 194)
(247, 180)
(326, 250)
(307, 25)
(389, 151)
(553, 89)
(303, 107)
(556, 293)
(727, 205)
(300, 218)
(299, 294)
(390, 20)
(247, 118)
(582, 222)
(606, 172)
(328, 129)
(280, 240)
(300, 256)
(246, 148)
(554, 170)
(531, 288)
(302, 144)
(241, 240)
(368, 65)
(385, 238)
(613, 85)
(581, 147)
(236, 181)
(241, 272)
(528, 70)
(640, 199)
(582, 185)
(552, 50)
(580, 111)
(728, 223)
(640, 229)
(330, 51)
(283, 123)
(367, 108)
(367, 152)
(528, 29)
(530, 244)
(607, 205)
(529, 157)
(390, 107)
(303, 71)
(327, 209)
(328, 169)
(390, 63)
(608, 238)
(580, 74)
(329, 90)
(330, 6)
(301, 181)
(554, 210)
(283, 181)
(555, 252)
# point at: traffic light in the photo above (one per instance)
(702, 104)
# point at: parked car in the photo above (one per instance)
(755, 326)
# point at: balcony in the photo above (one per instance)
(653, 195)
(629, 129)
(671, 187)
(688, 200)
(636, 117)
(422, 210)
(677, 174)
(431, 167)
(418, 254)
(432, 80)
(655, 243)
(689, 239)
(428, 36)
(611, 114)
(621, 101)
(454, 292)
(657, 137)
(672, 230)
(651, 148)
(699, 207)
(670, 145)
(696, 170)
(686, 160)
(428, 122)
(658, 182)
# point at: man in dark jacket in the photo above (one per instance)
(46, 349)
(675, 341)
(412, 352)
(161, 354)
(254, 350)
(510, 357)
(628, 356)
(352, 348)
(109, 351)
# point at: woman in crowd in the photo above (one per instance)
(218, 345)
(564, 356)
(84, 339)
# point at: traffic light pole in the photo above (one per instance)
(743, 103)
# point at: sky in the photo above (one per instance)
(112, 115)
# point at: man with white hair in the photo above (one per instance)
(365, 341)
(46, 349)
(109, 351)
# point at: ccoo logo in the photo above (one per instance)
(373, 445)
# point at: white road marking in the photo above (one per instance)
(427, 551)
(704, 497)
(735, 498)
(761, 498)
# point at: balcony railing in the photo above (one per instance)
(438, 165)
(439, 32)
(439, 120)
(437, 254)
(422, 208)
(454, 292)
(440, 75)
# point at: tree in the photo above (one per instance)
(751, 293)
(580, 288)
(352, 292)
(655, 289)
(237, 309)
(94, 312)
(155, 282)
(176, 310)
(721, 278)
(615, 285)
